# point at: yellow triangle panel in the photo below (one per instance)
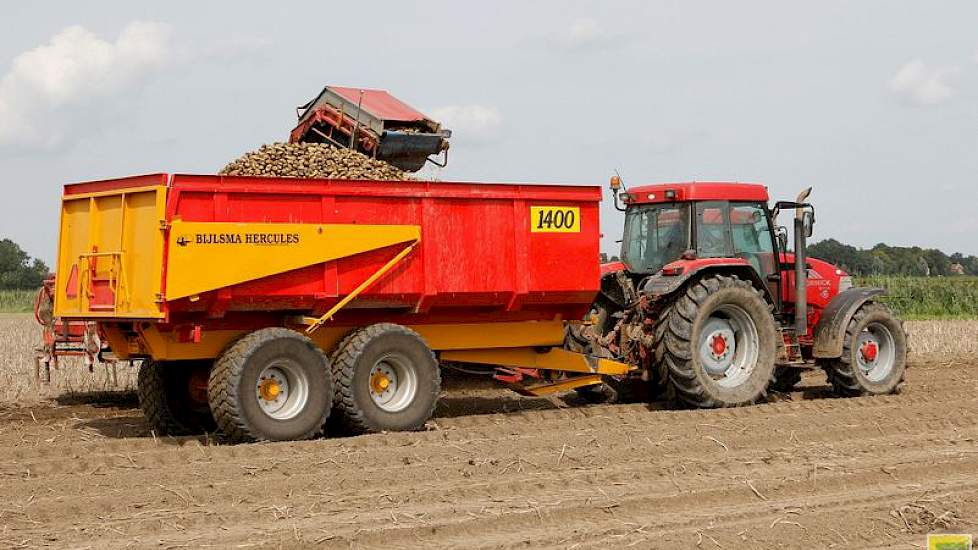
(205, 256)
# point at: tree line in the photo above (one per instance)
(18, 271)
(883, 259)
(886, 260)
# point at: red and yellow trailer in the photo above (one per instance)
(265, 303)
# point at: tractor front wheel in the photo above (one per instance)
(720, 342)
(874, 354)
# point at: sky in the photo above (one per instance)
(873, 103)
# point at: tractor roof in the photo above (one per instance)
(697, 191)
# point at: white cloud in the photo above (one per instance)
(472, 124)
(53, 87)
(923, 85)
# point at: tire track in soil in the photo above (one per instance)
(809, 472)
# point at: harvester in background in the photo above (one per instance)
(374, 123)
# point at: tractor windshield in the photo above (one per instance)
(654, 236)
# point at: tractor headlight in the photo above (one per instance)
(845, 283)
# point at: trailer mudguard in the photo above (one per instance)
(830, 332)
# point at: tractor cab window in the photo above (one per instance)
(750, 229)
(753, 237)
(712, 230)
(655, 235)
(736, 230)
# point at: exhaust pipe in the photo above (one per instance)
(801, 272)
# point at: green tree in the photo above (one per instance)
(18, 271)
(883, 259)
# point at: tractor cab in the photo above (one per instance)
(666, 223)
(673, 228)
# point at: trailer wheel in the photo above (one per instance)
(173, 396)
(719, 345)
(874, 354)
(272, 385)
(387, 379)
(786, 378)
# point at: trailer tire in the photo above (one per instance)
(705, 373)
(853, 374)
(272, 385)
(169, 402)
(786, 378)
(386, 379)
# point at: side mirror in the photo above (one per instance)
(808, 222)
(782, 233)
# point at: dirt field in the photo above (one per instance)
(495, 470)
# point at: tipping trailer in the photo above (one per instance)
(265, 305)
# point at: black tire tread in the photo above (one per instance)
(675, 348)
(151, 391)
(841, 372)
(223, 385)
(347, 415)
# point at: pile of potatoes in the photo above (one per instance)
(311, 160)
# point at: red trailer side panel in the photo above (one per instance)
(478, 257)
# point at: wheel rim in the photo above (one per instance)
(282, 389)
(875, 352)
(728, 346)
(393, 382)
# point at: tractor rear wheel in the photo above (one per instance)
(719, 344)
(387, 379)
(874, 354)
(272, 385)
(173, 396)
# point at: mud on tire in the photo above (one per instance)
(271, 385)
(386, 379)
(727, 309)
(853, 374)
(173, 397)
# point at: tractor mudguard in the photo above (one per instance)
(663, 285)
(831, 328)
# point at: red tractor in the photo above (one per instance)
(715, 311)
